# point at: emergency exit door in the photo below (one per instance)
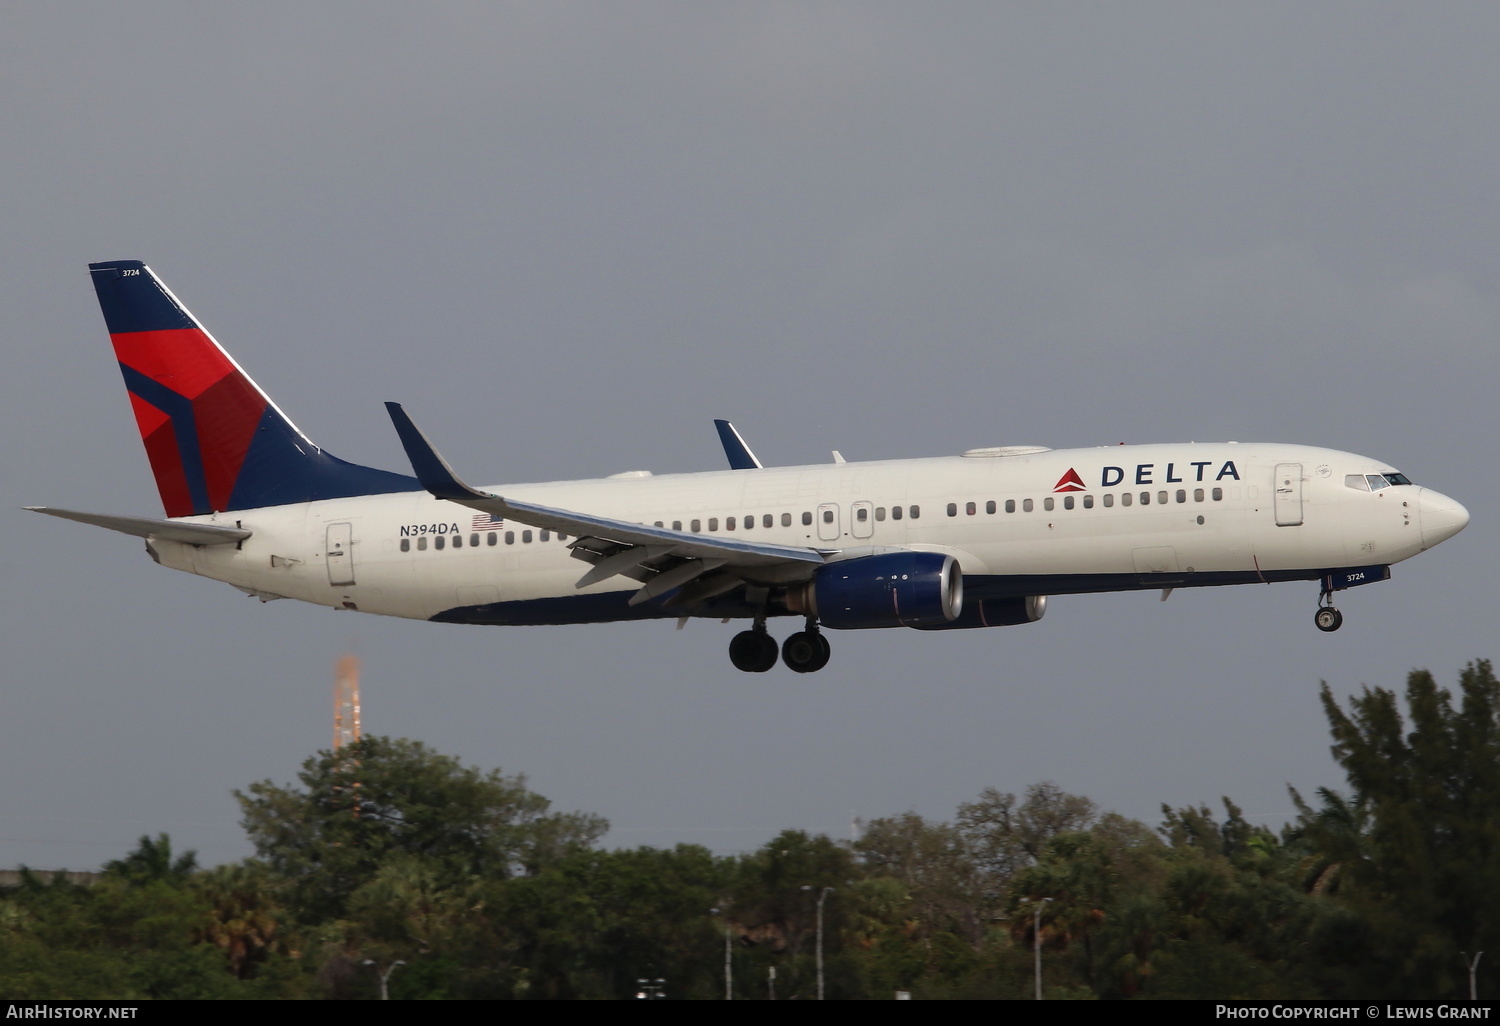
(1288, 494)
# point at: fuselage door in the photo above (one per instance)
(1288, 494)
(828, 521)
(862, 519)
(340, 554)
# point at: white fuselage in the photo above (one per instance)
(1197, 514)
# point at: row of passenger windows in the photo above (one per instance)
(861, 513)
(492, 538)
(769, 519)
(1070, 501)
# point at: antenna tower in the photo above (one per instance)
(346, 703)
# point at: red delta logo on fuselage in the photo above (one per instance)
(1070, 482)
(1145, 474)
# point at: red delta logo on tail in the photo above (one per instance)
(214, 440)
(1069, 482)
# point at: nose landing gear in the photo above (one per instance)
(1327, 619)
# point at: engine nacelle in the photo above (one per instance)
(995, 613)
(893, 589)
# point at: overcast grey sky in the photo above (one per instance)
(569, 235)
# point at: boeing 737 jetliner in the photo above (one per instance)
(975, 540)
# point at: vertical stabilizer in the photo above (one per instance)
(215, 441)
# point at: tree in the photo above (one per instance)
(1417, 846)
(383, 799)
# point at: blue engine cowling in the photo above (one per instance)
(895, 589)
(994, 613)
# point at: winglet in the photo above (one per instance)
(431, 469)
(740, 456)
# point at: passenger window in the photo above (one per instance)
(458, 541)
(1088, 502)
(1109, 498)
(563, 537)
(828, 516)
(659, 524)
(510, 537)
(1010, 505)
(713, 523)
(916, 511)
(895, 512)
(1126, 499)
(1026, 505)
(1049, 503)
(405, 544)
(474, 541)
(437, 543)
(1161, 497)
(806, 518)
(989, 507)
(862, 514)
(1067, 502)
(767, 520)
(421, 544)
(970, 509)
(879, 512)
(786, 520)
(697, 526)
(491, 539)
(1218, 494)
(677, 525)
(526, 537)
(1182, 495)
(1145, 498)
(544, 536)
(728, 524)
(1197, 494)
(953, 509)
(749, 523)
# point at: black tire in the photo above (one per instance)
(805, 652)
(1328, 619)
(752, 651)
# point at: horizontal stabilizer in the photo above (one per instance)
(145, 527)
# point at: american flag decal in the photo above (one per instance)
(487, 522)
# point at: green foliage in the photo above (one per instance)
(393, 853)
(383, 799)
(1412, 855)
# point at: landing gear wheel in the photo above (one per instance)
(805, 652)
(753, 651)
(1328, 619)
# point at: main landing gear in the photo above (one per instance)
(1327, 619)
(755, 651)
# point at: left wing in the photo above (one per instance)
(660, 558)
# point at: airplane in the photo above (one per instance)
(979, 539)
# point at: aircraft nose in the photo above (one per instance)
(1442, 517)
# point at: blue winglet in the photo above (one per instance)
(740, 456)
(431, 469)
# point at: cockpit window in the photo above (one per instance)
(1398, 479)
(1377, 481)
(1357, 482)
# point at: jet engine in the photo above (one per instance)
(893, 589)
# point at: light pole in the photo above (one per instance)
(1036, 938)
(1473, 965)
(385, 994)
(822, 896)
(728, 971)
